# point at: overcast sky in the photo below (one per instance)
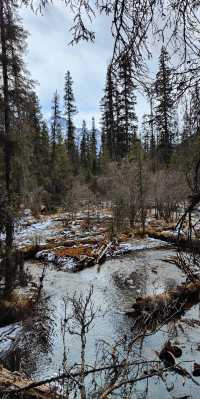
(49, 57)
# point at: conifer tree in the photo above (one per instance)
(70, 111)
(39, 142)
(84, 146)
(164, 109)
(126, 103)
(93, 148)
(195, 110)
(14, 85)
(59, 165)
(119, 121)
(108, 113)
(55, 127)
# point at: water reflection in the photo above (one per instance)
(116, 286)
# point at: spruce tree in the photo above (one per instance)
(55, 127)
(59, 165)
(195, 110)
(31, 165)
(14, 85)
(119, 120)
(164, 109)
(93, 148)
(127, 127)
(84, 147)
(70, 111)
(108, 113)
(39, 142)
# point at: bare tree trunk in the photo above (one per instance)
(82, 373)
(141, 193)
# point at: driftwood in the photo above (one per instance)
(97, 256)
(17, 381)
(102, 253)
(155, 309)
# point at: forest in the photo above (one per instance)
(100, 225)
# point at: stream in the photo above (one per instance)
(116, 284)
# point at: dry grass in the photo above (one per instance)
(150, 311)
(74, 251)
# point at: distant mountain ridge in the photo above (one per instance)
(63, 124)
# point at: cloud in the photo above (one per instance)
(49, 57)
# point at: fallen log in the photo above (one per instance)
(102, 253)
(97, 256)
(181, 242)
(16, 381)
(156, 309)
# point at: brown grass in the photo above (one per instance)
(74, 251)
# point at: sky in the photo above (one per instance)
(49, 57)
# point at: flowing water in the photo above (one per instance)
(116, 285)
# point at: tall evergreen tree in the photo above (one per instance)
(127, 127)
(164, 109)
(55, 127)
(93, 148)
(195, 110)
(70, 111)
(59, 165)
(108, 113)
(119, 120)
(84, 147)
(14, 85)
(32, 164)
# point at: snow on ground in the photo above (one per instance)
(139, 245)
(65, 263)
(8, 336)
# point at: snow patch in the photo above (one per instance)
(139, 245)
(8, 336)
